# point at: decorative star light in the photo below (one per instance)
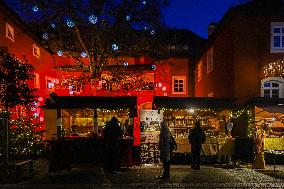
(153, 67)
(144, 2)
(93, 19)
(84, 54)
(153, 32)
(53, 25)
(70, 23)
(145, 28)
(125, 64)
(35, 8)
(59, 53)
(127, 18)
(45, 36)
(114, 47)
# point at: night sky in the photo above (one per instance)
(195, 15)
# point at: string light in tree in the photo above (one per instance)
(45, 36)
(93, 19)
(35, 8)
(125, 64)
(53, 25)
(84, 54)
(70, 23)
(275, 69)
(114, 47)
(127, 18)
(59, 53)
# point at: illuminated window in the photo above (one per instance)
(179, 84)
(272, 87)
(36, 81)
(36, 51)
(199, 71)
(10, 33)
(277, 37)
(210, 60)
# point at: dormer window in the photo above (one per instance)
(10, 33)
(277, 37)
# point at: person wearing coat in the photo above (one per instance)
(165, 152)
(196, 139)
(111, 136)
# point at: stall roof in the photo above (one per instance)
(193, 102)
(269, 104)
(77, 102)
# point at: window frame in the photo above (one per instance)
(37, 81)
(274, 25)
(10, 28)
(181, 78)
(279, 81)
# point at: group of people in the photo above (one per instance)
(167, 144)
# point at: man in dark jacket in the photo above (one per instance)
(196, 138)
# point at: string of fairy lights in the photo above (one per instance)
(274, 69)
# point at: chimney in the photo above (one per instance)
(211, 28)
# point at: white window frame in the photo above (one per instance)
(278, 80)
(210, 60)
(199, 71)
(279, 25)
(36, 51)
(36, 81)
(180, 78)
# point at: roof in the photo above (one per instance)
(78, 102)
(270, 104)
(193, 102)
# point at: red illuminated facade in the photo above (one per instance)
(174, 77)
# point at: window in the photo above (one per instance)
(272, 87)
(210, 60)
(10, 33)
(36, 51)
(179, 84)
(277, 37)
(199, 71)
(36, 81)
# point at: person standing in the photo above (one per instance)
(165, 152)
(111, 136)
(196, 138)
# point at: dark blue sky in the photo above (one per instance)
(195, 15)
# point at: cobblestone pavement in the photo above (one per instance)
(142, 177)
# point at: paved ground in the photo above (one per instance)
(88, 176)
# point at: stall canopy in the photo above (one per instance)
(78, 102)
(268, 104)
(193, 102)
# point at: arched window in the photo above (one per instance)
(272, 87)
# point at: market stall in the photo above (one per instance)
(214, 115)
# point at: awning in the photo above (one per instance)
(193, 102)
(77, 102)
(268, 104)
